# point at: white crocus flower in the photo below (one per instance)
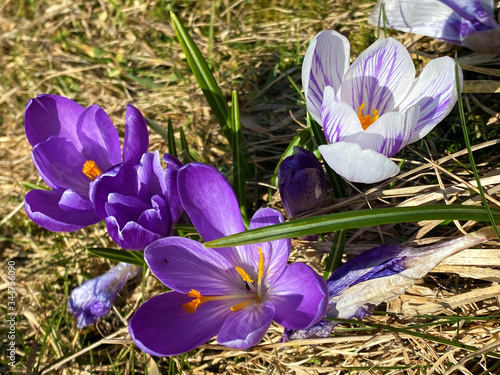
(373, 108)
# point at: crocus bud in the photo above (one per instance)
(380, 275)
(302, 183)
(95, 297)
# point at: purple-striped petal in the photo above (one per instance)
(184, 264)
(99, 138)
(136, 140)
(247, 327)
(161, 327)
(51, 115)
(59, 211)
(325, 62)
(209, 201)
(300, 297)
(357, 165)
(435, 93)
(390, 133)
(60, 165)
(380, 77)
(338, 118)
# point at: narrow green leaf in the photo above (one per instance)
(239, 175)
(187, 157)
(334, 259)
(125, 256)
(158, 129)
(204, 77)
(469, 150)
(299, 140)
(354, 219)
(172, 150)
(30, 186)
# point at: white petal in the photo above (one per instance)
(390, 133)
(380, 77)
(357, 165)
(325, 63)
(435, 93)
(339, 119)
(426, 17)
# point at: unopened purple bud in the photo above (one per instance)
(95, 297)
(302, 183)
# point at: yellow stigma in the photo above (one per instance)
(261, 266)
(191, 307)
(367, 120)
(91, 170)
(245, 276)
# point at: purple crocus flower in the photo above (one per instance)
(380, 275)
(373, 108)
(95, 297)
(139, 202)
(302, 182)
(234, 293)
(469, 23)
(72, 145)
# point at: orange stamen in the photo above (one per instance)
(91, 170)
(261, 266)
(367, 120)
(245, 276)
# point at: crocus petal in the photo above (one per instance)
(390, 133)
(338, 118)
(325, 62)
(51, 115)
(357, 165)
(45, 209)
(435, 92)
(136, 140)
(120, 179)
(161, 327)
(380, 77)
(150, 175)
(275, 253)
(124, 207)
(487, 41)
(209, 201)
(247, 327)
(131, 236)
(171, 192)
(60, 165)
(184, 264)
(99, 138)
(300, 297)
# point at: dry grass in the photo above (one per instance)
(119, 51)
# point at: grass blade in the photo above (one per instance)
(239, 175)
(469, 150)
(354, 219)
(204, 77)
(131, 257)
(172, 150)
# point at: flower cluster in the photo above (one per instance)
(369, 110)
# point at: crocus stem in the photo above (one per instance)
(335, 257)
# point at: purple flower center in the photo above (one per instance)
(91, 170)
(253, 293)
